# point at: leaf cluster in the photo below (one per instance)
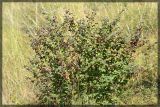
(78, 58)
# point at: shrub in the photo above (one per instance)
(79, 59)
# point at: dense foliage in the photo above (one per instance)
(80, 59)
